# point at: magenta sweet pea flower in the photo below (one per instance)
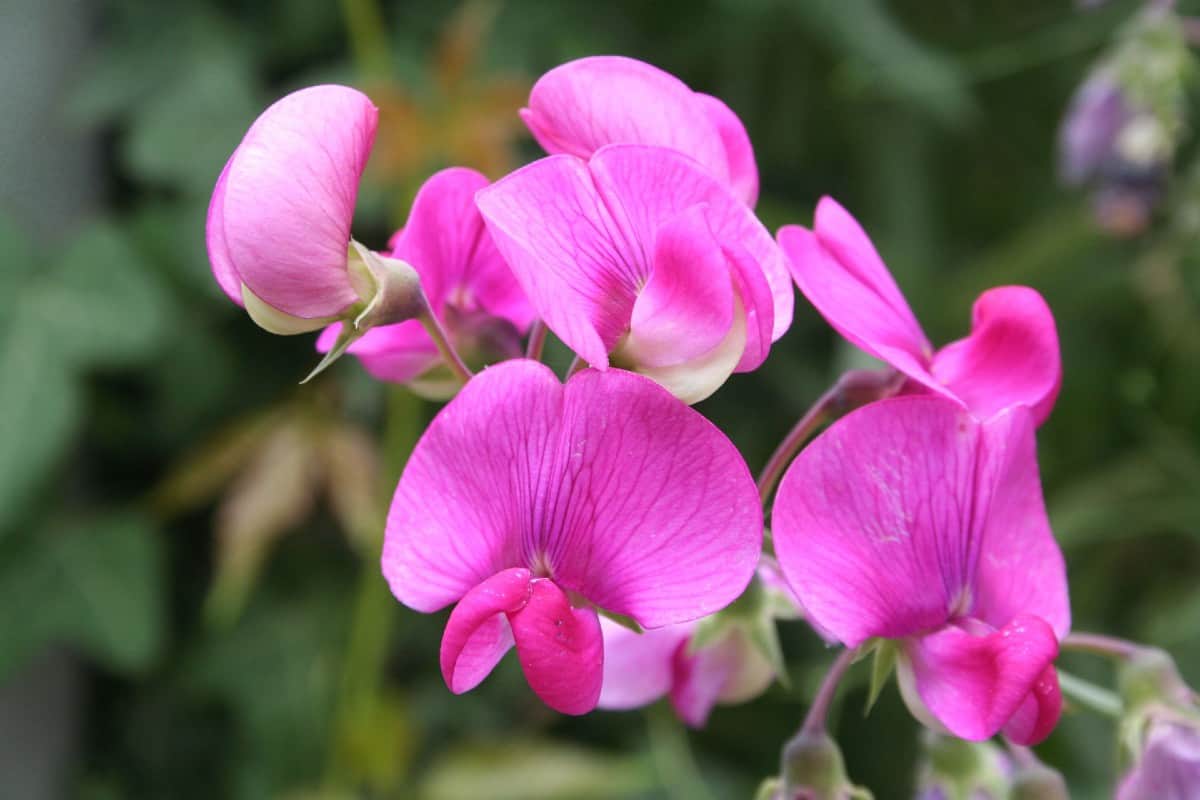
(911, 520)
(1011, 356)
(641, 259)
(531, 504)
(278, 227)
(583, 105)
(469, 287)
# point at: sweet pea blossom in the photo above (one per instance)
(278, 228)
(532, 504)
(913, 521)
(583, 105)
(468, 286)
(1169, 766)
(1011, 356)
(641, 259)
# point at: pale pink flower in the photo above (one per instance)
(641, 259)
(1168, 768)
(531, 504)
(583, 105)
(468, 286)
(912, 520)
(1011, 356)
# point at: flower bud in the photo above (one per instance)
(954, 767)
(813, 769)
(1038, 782)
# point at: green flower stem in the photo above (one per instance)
(818, 712)
(445, 348)
(1090, 696)
(673, 759)
(1099, 644)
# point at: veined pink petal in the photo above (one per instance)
(757, 304)
(560, 648)
(639, 667)
(473, 486)
(583, 105)
(657, 515)
(686, 307)
(873, 521)
(564, 247)
(1010, 358)
(609, 486)
(477, 634)
(286, 199)
(646, 186)
(837, 268)
(394, 353)
(743, 172)
(218, 254)
(974, 684)
(1019, 567)
(1038, 713)
(446, 241)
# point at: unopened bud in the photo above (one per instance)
(1038, 782)
(813, 769)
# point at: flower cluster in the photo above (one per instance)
(602, 526)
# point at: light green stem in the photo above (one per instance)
(1090, 696)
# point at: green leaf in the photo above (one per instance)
(621, 619)
(882, 663)
(96, 586)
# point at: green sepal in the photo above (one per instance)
(882, 664)
(622, 620)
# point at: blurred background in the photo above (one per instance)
(190, 600)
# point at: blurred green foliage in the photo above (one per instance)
(122, 369)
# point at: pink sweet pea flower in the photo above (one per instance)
(912, 520)
(583, 105)
(468, 286)
(278, 226)
(641, 255)
(530, 504)
(1011, 356)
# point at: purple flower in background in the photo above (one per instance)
(581, 106)
(530, 504)
(1010, 358)
(1089, 132)
(1169, 765)
(914, 521)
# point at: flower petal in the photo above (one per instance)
(565, 249)
(657, 516)
(218, 252)
(583, 105)
(472, 485)
(743, 172)
(699, 681)
(394, 353)
(1038, 713)
(638, 667)
(686, 306)
(560, 648)
(839, 271)
(873, 521)
(477, 635)
(288, 197)
(974, 684)
(1010, 358)
(757, 301)
(1019, 567)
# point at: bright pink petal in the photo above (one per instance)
(394, 353)
(218, 253)
(686, 306)
(564, 247)
(477, 635)
(838, 270)
(1038, 713)
(646, 186)
(639, 667)
(288, 197)
(560, 648)
(743, 172)
(657, 516)
(699, 680)
(1010, 358)
(474, 485)
(974, 684)
(755, 295)
(1019, 568)
(873, 521)
(583, 105)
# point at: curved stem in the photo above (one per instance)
(445, 348)
(854, 388)
(537, 340)
(1090, 696)
(814, 721)
(1101, 645)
